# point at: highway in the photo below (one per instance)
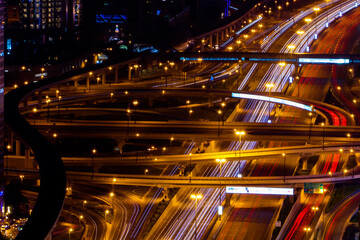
(249, 216)
(330, 163)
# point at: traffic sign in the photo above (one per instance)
(317, 188)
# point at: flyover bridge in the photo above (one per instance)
(204, 182)
(260, 57)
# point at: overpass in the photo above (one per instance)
(146, 160)
(200, 131)
(261, 57)
(204, 182)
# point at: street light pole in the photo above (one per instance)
(196, 197)
(307, 20)
(128, 122)
(239, 134)
(135, 103)
(93, 161)
(48, 111)
(220, 161)
(270, 86)
(166, 68)
(219, 115)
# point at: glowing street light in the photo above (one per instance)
(220, 161)
(239, 133)
(165, 68)
(197, 198)
(269, 86)
(70, 231)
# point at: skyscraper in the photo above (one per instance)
(47, 14)
(2, 182)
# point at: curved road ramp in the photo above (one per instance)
(52, 173)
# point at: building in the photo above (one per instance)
(47, 14)
(2, 181)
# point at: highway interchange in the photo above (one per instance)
(257, 156)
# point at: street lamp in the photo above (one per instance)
(220, 114)
(330, 173)
(21, 177)
(48, 113)
(70, 231)
(307, 20)
(269, 86)
(146, 171)
(316, 9)
(93, 161)
(239, 134)
(135, 103)
(106, 213)
(220, 161)
(34, 111)
(84, 203)
(196, 197)
(166, 68)
(291, 47)
(111, 197)
(128, 112)
(310, 115)
(190, 112)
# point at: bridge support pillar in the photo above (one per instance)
(305, 164)
(211, 104)
(297, 70)
(217, 39)
(166, 194)
(226, 32)
(182, 170)
(222, 35)
(28, 162)
(227, 200)
(116, 75)
(211, 40)
(241, 68)
(88, 83)
(76, 84)
(17, 147)
(104, 78)
(129, 72)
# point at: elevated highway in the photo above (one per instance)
(261, 57)
(201, 130)
(307, 150)
(203, 182)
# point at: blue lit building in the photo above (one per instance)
(2, 181)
